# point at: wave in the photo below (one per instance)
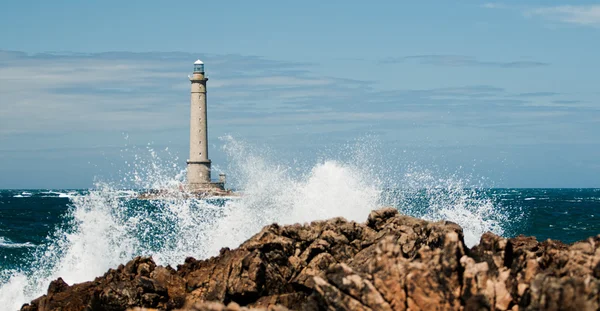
(23, 194)
(45, 194)
(54, 194)
(7, 243)
(107, 226)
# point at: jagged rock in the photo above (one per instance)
(138, 283)
(217, 306)
(391, 262)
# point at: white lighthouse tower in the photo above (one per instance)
(198, 164)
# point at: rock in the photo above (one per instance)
(139, 283)
(391, 262)
(57, 286)
(216, 306)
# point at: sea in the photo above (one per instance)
(78, 234)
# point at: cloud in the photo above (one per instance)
(566, 101)
(462, 61)
(117, 91)
(585, 15)
(49, 92)
(537, 94)
(63, 99)
(472, 90)
(492, 5)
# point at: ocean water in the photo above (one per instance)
(78, 234)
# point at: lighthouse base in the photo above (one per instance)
(198, 173)
(208, 189)
(193, 187)
(198, 190)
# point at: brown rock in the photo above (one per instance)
(391, 262)
(117, 290)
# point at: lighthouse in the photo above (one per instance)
(198, 164)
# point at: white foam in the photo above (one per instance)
(7, 243)
(23, 194)
(56, 194)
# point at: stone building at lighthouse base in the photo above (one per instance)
(213, 188)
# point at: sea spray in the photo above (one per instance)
(275, 193)
(107, 226)
(452, 198)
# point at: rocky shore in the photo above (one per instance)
(391, 262)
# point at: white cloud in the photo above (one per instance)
(587, 15)
(274, 81)
(584, 15)
(124, 92)
(493, 5)
(45, 93)
(463, 61)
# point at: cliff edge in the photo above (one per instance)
(391, 262)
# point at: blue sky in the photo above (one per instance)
(506, 89)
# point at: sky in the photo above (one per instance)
(505, 91)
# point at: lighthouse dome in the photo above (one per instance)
(199, 66)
